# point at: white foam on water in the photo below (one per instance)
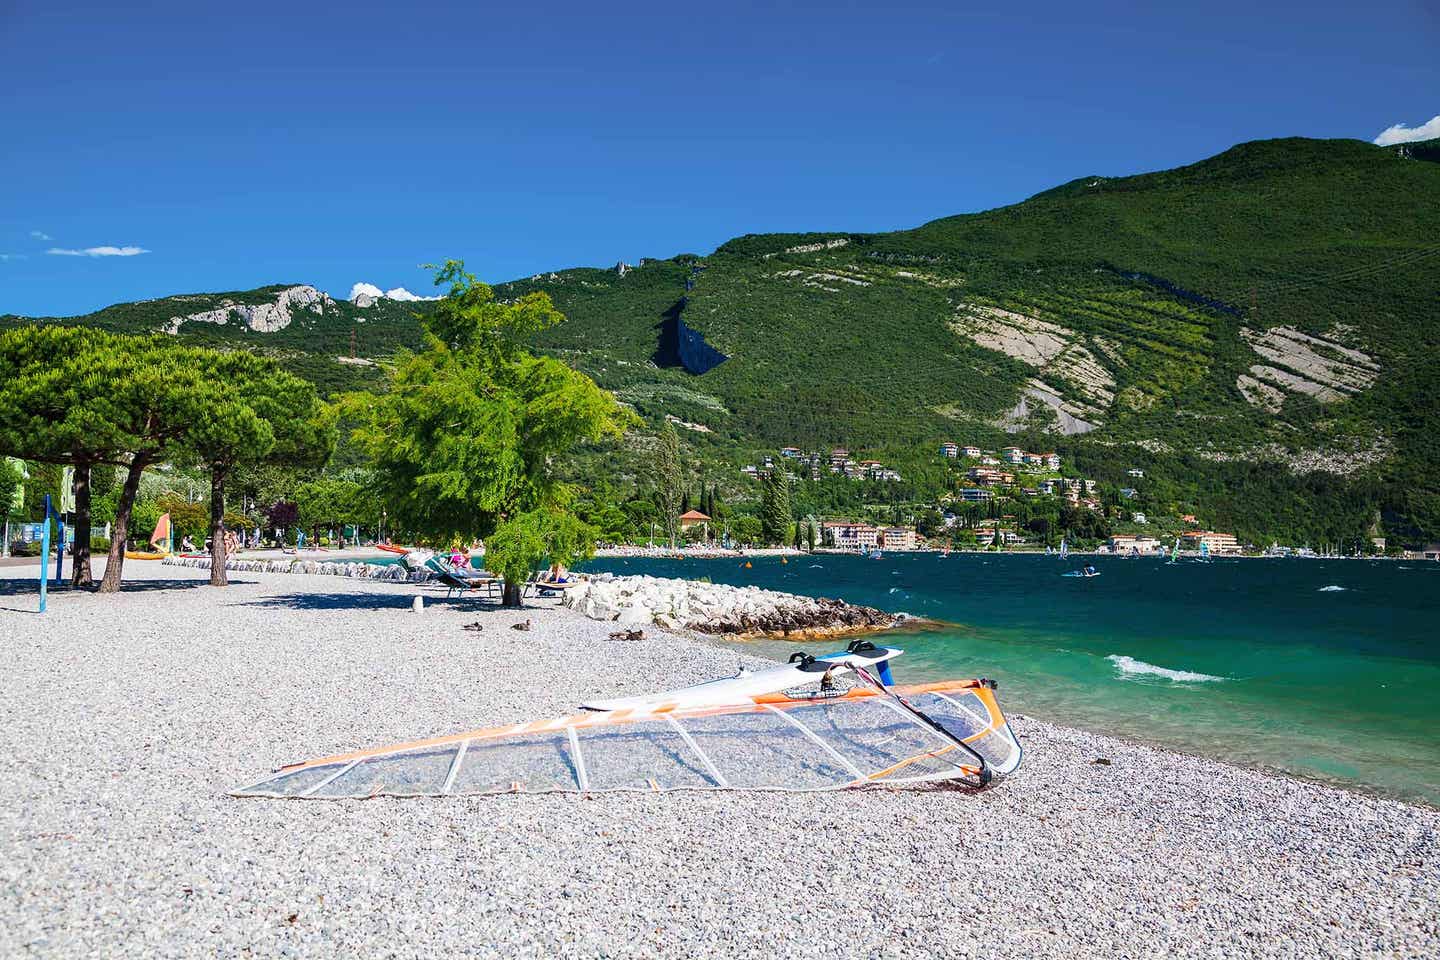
(1137, 668)
(1333, 588)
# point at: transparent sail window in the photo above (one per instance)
(295, 782)
(531, 763)
(642, 756)
(412, 773)
(764, 751)
(964, 714)
(881, 741)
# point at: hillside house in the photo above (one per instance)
(975, 495)
(1135, 472)
(792, 452)
(1125, 543)
(986, 476)
(897, 538)
(972, 452)
(1214, 542)
(1139, 518)
(692, 519)
(951, 450)
(1129, 493)
(1052, 460)
(1033, 460)
(1013, 455)
(850, 536)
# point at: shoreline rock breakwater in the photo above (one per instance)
(720, 608)
(351, 568)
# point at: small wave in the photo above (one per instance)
(817, 566)
(1333, 588)
(1139, 667)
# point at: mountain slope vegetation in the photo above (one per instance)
(1257, 331)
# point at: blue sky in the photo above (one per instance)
(239, 145)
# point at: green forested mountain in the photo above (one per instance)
(1259, 331)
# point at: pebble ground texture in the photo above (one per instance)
(124, 720)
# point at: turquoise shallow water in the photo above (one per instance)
(1260, 662)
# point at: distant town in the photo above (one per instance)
(987, 479)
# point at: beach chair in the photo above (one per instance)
(537, 584)
(459, 581)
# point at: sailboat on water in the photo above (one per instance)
(1204, 553)
(1064, 549)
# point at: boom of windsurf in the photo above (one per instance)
(814, 723)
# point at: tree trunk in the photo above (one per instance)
(114, 563)
(80, 549)
(510, 594)
(218, 577)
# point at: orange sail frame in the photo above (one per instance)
(773, 742)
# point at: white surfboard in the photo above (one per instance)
(745, 686)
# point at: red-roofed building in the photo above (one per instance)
(693, 519)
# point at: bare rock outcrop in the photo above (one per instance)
(1301, 363)
(260, 317)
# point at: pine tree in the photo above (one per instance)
(774, 507)
(669, 482)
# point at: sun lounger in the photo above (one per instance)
(459, 581)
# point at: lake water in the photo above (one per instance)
(1322, 668)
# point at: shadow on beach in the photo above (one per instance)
(381, 601)
(27, 590)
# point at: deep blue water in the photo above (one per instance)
(1256, 661)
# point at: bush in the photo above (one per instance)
(21, 549)
(99, 544)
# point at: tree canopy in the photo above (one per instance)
(464, 440)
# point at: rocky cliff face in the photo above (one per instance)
(262, 317)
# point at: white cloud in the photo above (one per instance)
(98, 252)
(400, 293)
(41, 235)
(397, 293)
(1403, 134)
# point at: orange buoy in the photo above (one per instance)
(783, 560)
(747, 564)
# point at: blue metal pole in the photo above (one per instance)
(45, 554)
(59, 550)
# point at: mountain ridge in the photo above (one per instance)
(1275, 303)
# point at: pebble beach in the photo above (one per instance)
(124, 720)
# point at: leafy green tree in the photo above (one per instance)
(334, 501)
(255, 413)
(84, 397)
(464, 442)
(775, 513)
(745, 529)
(670, 481)
(10, 484)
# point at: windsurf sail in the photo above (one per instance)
(1064, 549)
(1204, 550)
(952, 730)
(161, 536)
(1175, 551)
